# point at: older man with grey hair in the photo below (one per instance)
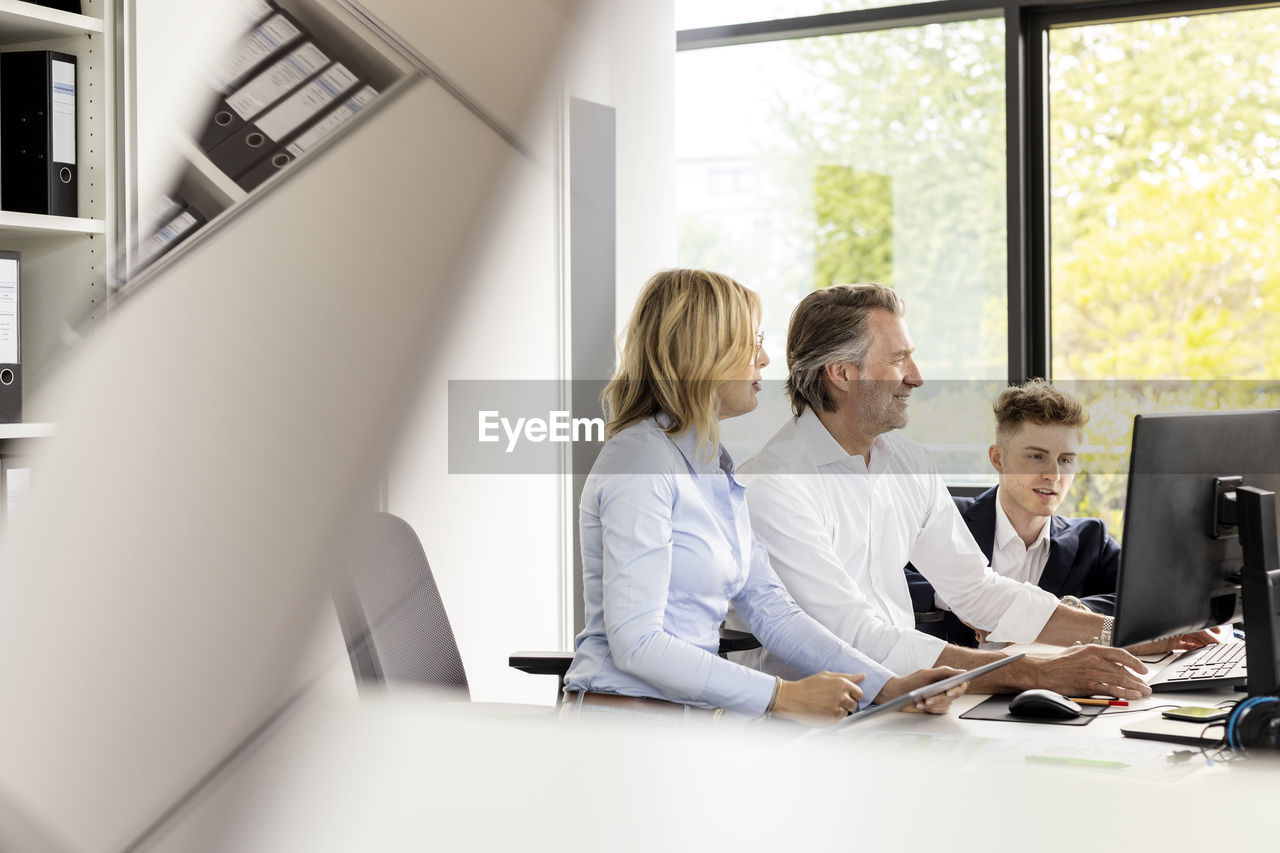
(842, 503)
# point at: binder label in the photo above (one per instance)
(63, 126)
(270, 36)
(276, 81)
(8, 310)
(329, 123)
(159, 241)
(306, 102)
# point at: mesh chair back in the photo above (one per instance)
(394, 621)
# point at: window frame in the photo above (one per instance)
(1027, 25)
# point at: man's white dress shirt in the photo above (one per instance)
(839, 534)
(1010, 556)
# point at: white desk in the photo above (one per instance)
(393, 774)
(1097, 747)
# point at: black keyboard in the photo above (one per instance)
(1216, 665)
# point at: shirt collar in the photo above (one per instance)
(822, 445)
(687, 443)
(814, 437)
(1006, 533)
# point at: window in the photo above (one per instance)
(873, 156)
(863, 157)
(1164, 160)
(1139, 264)
(1165, 194)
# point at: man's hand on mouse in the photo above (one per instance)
(1093, 670)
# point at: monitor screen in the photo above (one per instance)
(1176, 575)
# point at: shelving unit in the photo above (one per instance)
(17, 226)
(341, 30)
(17, 432)
(26, 22)
(65, 259)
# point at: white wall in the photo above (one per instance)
(500, 545)
(494, 542)
(626, 58)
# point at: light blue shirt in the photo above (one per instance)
(666, 546)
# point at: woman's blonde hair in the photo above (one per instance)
(689, 331)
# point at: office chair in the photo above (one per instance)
(394, 622)
(557, 663)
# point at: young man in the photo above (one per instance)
(842, 504)
(1038, 433)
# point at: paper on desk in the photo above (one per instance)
(1142, 759)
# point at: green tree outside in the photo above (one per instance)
(1164, 146)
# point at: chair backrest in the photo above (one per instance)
(396, 628)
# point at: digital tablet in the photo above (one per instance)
(913, 696)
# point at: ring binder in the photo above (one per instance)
(10, 339)
(252, 142)
(260, 92)
(255, 49)
(72, 6)
(38, 132)
(173, 231)
(305, 141)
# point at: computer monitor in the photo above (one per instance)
(1200, 507)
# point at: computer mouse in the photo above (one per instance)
(1044, 705)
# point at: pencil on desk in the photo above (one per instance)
(1099, 701)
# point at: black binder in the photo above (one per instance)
(64, 5)
(260, 92)
(262, 136)
(304, 141)
(10, 338)
(38, 132)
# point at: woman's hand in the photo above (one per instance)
(819, 700)
(939, 704)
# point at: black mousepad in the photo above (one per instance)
(997, 708)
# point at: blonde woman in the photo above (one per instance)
(666, 541)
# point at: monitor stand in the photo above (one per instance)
(1260, 588)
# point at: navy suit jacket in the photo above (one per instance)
(1083, 561)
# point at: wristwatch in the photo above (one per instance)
(1108, 623)
(1072, 601)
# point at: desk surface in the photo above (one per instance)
(1096, 747)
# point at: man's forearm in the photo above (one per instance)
(1016, 676)
(1069, 625)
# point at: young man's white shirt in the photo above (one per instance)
(1011, 557)
(839, 534)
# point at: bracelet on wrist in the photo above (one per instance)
(773, 701)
